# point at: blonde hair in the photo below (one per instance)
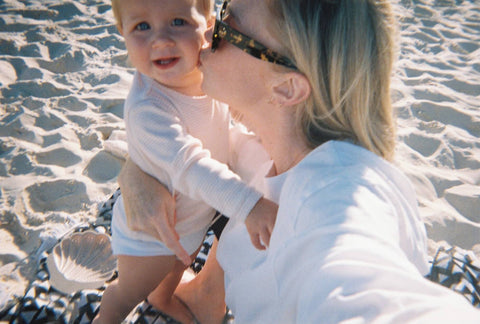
(346, 49)
(205, 7)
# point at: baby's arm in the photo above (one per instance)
(162, 140)
(260, 223)
(246, 156)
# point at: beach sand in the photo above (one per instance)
(64, 76)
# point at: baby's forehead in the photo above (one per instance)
(158, 9)
(130, 11)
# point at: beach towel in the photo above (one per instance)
(451, 267)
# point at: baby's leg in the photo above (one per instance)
(162, 297)
(137, 277)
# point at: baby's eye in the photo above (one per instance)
(142, 26)
(178, 22)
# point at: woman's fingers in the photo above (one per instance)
(154, 214)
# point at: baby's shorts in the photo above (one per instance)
(128, 242)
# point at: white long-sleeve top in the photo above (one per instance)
(186, 143)
(348, 246)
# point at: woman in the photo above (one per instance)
(348, 243)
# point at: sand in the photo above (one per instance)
(64, 76)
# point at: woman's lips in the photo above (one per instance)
(166, 63)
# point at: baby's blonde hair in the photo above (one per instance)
(205, 7)
(346, 49)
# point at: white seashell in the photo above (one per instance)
(81, 261)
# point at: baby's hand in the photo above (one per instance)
(260, 223)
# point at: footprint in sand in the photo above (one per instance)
(425, 36)
(67, 11)
(60, 195)
(469, 46)
(57, 49)
(21, 164)
(6, 146)
(23, 71)
(49, 121)
(81, 120)
(35, 34)
(423, 11)
(463, 86)
(33, 88)
(430, 94)
(465, 158)
(72, 103)
(466, 200)
(94, 80)
(32, 104)
(104, 43)
(8, 75)
(446, 114)
(35, 14)
(8, 47)
(15, 48)
(423, 144)
(119, 60)
(59, 157)
(113, 106)
(103, 167)
(90, 141)
(451, 230)
(66, 63)
(52, 139)
(14, 126)
(441, 183)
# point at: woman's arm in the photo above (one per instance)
(150, 208)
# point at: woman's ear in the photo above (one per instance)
(120, 29)
(211, 21)
(292, 89)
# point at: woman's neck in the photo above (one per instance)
(285, 143)
(280, 134)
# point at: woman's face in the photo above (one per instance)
(231, 75)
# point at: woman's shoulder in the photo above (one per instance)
(334, 158)
(346, 166)
(341, 179)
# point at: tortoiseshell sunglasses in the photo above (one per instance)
(223, 31)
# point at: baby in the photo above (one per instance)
(181, 137)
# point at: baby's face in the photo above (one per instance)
(163, 39)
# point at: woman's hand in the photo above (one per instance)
(150, 208)
(260, 223)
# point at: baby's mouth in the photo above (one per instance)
(165, 62)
